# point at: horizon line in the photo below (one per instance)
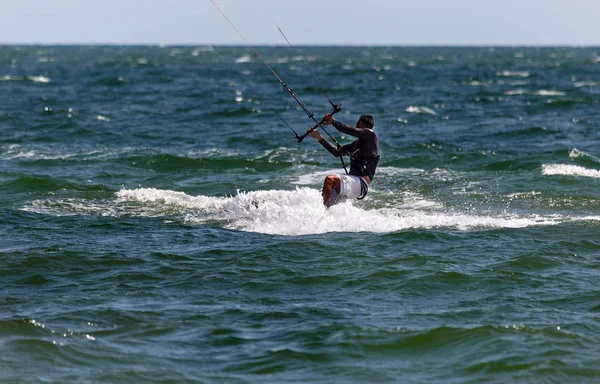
(329, 45)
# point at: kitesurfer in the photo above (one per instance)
(364, 157)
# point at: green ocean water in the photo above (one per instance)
(161, 224)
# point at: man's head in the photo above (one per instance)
(365, 121)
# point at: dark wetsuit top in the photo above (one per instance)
(363, 152)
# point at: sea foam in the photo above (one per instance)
(301, 212)
(569, 170)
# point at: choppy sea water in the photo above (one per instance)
(161, 224)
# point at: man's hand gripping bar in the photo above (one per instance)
(336, 109)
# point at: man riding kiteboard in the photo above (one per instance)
(364, 157)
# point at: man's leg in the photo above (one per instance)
(331, 182)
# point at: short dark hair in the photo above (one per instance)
(367, 120)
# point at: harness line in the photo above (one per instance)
(287, 88)
(335, 106)
(252, 89)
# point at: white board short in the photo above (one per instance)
(351, 187)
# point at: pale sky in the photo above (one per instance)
(322, 22)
